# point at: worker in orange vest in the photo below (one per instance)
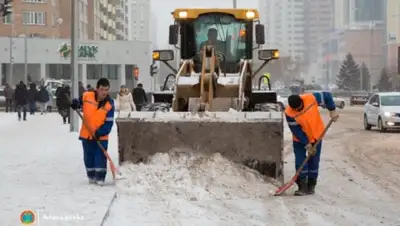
(98, 113)
(306, 124)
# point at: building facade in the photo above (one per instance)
(139, 19)
(50, 58)
(350, 13)
(364, 43)
(52, 19)
(295, 25)
(122, 21)
(284, 20)
(33, 18)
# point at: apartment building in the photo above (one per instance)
(284, 22)
(350, 13)
(318, 23)
(122, 21)
(52, 18)
(140, 20)
(295, 25)
(33, 18)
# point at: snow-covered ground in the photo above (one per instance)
(43, 171)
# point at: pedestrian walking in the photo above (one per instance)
(63, 103)
(43, 98)
(139, 96)
(9, 95)
(21, 100)
(124, 101)
(32, 98)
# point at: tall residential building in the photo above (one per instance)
(52, 18)
(34, 18)
(284, 20)
(139, 20)
(350, 13)
(318, 23)
(295, 25)
(122, 22)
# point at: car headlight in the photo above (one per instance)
(389, 114)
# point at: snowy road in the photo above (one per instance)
(43, 171)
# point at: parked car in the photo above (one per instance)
(383, 111)
(359, 98)
(339, 102)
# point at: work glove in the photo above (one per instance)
(334, 115)
(310, 149)
(75, 104)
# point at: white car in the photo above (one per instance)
(383, 111)
(339, 102)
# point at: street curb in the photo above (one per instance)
(107, 214)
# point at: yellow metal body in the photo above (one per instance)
(240, 14)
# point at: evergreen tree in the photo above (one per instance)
(384, 80)
(366, 77)
(349, 74)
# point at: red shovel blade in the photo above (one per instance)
(286, 186)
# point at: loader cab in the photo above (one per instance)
(230, 32)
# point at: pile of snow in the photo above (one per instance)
(190, 176)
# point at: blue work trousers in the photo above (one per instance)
(95, 160)
(311, 168)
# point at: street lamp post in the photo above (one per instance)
(74, 60)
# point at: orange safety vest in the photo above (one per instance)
(309, 118)
(93, 116)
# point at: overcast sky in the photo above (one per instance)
(163, 9)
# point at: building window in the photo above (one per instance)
(34, 18)
(8, 19)
(34, 1)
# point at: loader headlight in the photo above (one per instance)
(163, 55)
(183, 14)
(250, 14)
(268, 54)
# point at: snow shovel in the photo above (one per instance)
(286, 186)
(114, 170)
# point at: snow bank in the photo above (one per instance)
(186, 175)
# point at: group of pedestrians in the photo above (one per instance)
(24, 99)
(131, 101)
(21, 99)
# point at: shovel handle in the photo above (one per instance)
(323, 133)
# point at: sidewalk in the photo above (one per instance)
(43, 171)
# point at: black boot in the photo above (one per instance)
(302, 184)
(312, 182)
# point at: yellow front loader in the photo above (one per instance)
(214, 108)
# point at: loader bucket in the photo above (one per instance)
(254, 139)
